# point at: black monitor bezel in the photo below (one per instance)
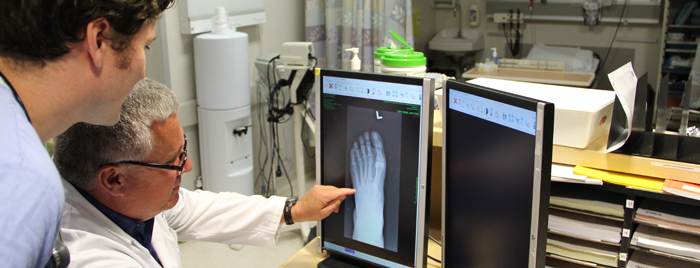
(426, 136)
(546, 117)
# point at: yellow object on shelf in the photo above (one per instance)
(621, 178)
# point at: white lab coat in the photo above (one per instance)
(95, 241)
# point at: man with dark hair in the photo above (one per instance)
(61, 62)
(123, 195)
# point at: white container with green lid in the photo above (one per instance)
(404, 62)
(378, 57)
(381, 51)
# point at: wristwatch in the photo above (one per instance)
(288, 210)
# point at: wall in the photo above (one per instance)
(646, 57)
(171, 61)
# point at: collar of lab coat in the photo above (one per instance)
(77, 201)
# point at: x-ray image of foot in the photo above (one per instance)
(368, 168)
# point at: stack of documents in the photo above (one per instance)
(645, 260)
(595, 206)
(641, 182)
(685, 189)
(679, 217)
(598, 202)
(584, 226)
(565, 173)
(589, 253)
(667, 241)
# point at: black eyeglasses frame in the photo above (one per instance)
(179, 168)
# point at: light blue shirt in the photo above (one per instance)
(31, 193)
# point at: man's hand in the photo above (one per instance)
(319, 202)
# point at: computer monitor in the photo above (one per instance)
(374, 134)
(497, 152)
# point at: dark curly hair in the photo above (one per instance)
(41, 30)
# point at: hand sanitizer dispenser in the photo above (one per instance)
(491, 64)
(355, 63)
(494, 56)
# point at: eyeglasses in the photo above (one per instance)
(179, 168)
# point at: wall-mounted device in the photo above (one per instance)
(195, 16)
(297, 53)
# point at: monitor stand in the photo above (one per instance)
(332, 262)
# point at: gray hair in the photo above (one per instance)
(83, 148)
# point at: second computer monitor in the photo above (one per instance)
(497, 159)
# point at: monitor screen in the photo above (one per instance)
(373, 134)
(497, 161)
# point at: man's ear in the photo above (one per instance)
(112, 179)
(96, 41)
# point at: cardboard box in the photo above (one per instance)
(581, 115)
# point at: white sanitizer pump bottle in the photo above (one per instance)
(494, 56)
(474, 15)
(355, 63)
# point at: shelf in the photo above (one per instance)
(675, 70)
(609, 217)
(584, 239)
(689, 27)
(677, 50)
(635, 192)
(664, 254)
(674, 42)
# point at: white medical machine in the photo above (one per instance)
(223, 99)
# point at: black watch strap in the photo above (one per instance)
(288, 210)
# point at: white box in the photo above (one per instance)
(581, 115)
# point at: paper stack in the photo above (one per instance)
(598, 202)
(667, 241)
(645, 260)
(584, 226)
(679, 217)
(685, 189)
(630, 180)
(589, 253)
(565, 173)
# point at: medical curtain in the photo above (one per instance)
(334, 25)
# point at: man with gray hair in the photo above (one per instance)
(122, 191)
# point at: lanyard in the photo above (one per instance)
(14, 92)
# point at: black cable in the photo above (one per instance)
(291, 188)
(272, 61)
(279, 157)
(513, 44)
(315, 62)
(506, 35)
(517, 36)
(262, 141)
(280, 110)
(306, 113)
(263, 137)
(622, 14)
(270, 177)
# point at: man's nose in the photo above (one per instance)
(188, 166)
